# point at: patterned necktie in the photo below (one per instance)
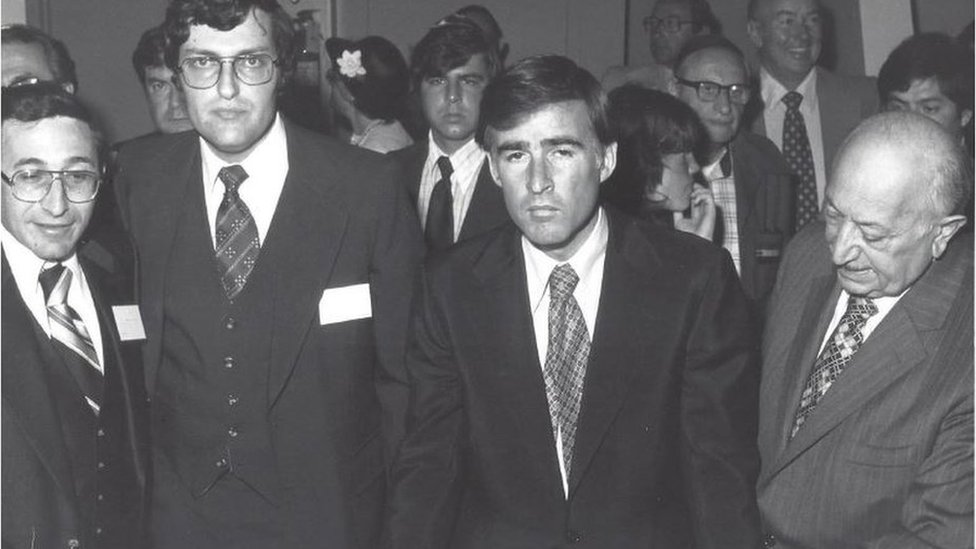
(566, 357)
(236, 232)
(67, 328)
(440, 213)
(796, 149)
(838, 351)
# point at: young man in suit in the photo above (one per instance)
(75, 427)
(806, 110)
(866, 405)
(447, 174)
(752, 184)
(164, 97)
(277, 268)
(577, 376)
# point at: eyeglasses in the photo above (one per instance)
(671, 24)
(709, 91)
(202, 71)
(32, 185)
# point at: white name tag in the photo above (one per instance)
(345, 303)
(129, 322)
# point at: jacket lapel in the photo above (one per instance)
(487, 208)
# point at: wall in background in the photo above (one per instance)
(949, 16)
(13, 11)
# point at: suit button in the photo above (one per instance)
(232, 400)
(73, 544)
(230, 322)
(101, 465)
(98, 531)
(769, 541)
(573, 536)
(100, 497)
(101, 432)
(221, 463)
(232, 432)
(228, 362)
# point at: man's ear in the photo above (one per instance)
(673, 85)
(493, 169)
(755, 36)
(964, 117)
(609, 161)
(946, 228)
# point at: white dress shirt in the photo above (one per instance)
(466, 162)
(266, 166)
(588, 263)
(26, 268)
(884, 305)
(722, 183)
(775, 112)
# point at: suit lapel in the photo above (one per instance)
(747, 188)
(487, 208)
(414, 159)
(303, 241)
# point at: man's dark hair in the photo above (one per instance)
(150, 52)
(55, 52)
(706, 42)
(702, 17)
(447, 46)
(225, 15)
(929, 55)
(35, 102)
(535, 83)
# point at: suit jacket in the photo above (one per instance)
(487, 208)
(845, 100)
(665, 448)
(765, 202)
(886, 458)
(337, 392)
(42, 504)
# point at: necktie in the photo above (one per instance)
(566, 357)
(796, 149)
(439, 230)
(236, 232)
(67, 329)
(838, 351)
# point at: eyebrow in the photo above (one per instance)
(549, 142)
(210, 53)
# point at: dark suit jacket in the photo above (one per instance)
(845, 100)
(337, 393)
(487, 208)
(665, 447)
(886, 458)
(765, 202)
(41, 504)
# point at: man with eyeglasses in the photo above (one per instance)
(74, 421)
(807, 110)
(669, 26)
(276, 272)
(750, 180)
(31, 56)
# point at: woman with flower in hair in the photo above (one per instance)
(369, 88)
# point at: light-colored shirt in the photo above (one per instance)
(382, 137)
(266, 166)
(775, 112)
(588, 263)
(466, 162)
(26, 268)
(723, 189)
(884, 305)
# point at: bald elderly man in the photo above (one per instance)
(866, 404)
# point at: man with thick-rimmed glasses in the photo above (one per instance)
(74, 421)
(747, 174)
(276, 269)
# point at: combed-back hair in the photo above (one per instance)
(929, 55)
(55, 53)
(447, 46)
(701, 42)
(149, 52)
(534, 83)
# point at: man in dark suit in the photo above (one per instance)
(276, 271)
(447, 174)
(751, 183)
(806, 110)
(164, 97)
(866, 407)
(74, 410)
(524, 431)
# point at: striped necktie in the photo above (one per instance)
(68, 329)
(236, 234)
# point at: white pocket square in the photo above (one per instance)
(345, 303)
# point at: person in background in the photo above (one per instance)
(370, 82)
(74, 422)
(30, 56)
(447, 173)
(669, 26)
(656, 171)
(479, 15)
(751, 182)
(806, 110)
(164, 95)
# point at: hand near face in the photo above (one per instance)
(702, 220)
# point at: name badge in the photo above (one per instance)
(128, 321)
(345, 303)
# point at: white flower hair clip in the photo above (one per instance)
(351, 64)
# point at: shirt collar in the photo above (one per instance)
(265, 158)
(539, 266)
(26, 267)
(461, 156)
(773, 91)
(721, 168)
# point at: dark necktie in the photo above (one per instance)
(566, 357)
(236, 234)
(796, 149)
(840, 348)
(439, 230)
(67, 328)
